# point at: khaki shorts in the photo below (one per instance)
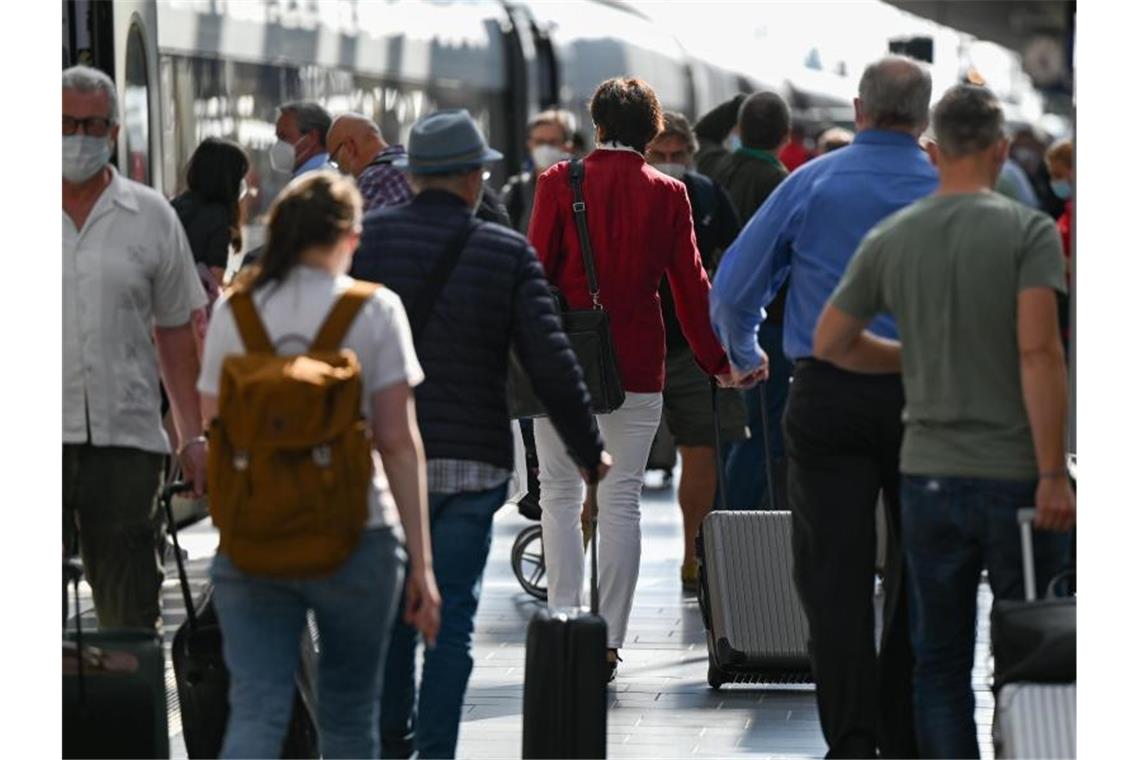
(688, 404)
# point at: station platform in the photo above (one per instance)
(661, 705)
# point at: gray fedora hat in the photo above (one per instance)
(446, 141)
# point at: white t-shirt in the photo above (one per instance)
(292, 311)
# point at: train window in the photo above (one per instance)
(136, 109)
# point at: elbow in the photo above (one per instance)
(396, 444)
(1042, 357)
(823, 348)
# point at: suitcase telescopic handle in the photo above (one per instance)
(720, 483)
(168, 494)
(1025, 523)
(592, 506)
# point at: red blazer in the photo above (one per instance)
(641, 228)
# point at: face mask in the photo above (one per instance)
(734, 143)
(676, 171)
(546, 156)
(479, 198)
(1062, 188)
(84, 156)
(281, 157)
(243, 190)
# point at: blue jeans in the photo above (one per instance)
(460, 540)
(953, 528)
(745, 475)
(262, 622)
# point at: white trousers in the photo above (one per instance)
(628, 435)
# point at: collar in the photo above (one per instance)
(382, 159)
(316, 162)
(435, 197)
(764, 155)
(885, 137)
(615, 145)
(120, 192)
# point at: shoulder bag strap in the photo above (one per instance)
(577, 173)
(249, 324)
(421, 310)
(335, 327)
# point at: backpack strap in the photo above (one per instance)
(335, 327)
(249, 324)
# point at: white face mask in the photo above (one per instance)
(243, 190)
(281, 157)
(84, 156)
(546, 156)
(676, 171)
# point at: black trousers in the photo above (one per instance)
(842, 433)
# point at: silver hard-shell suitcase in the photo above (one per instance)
(1034, 720)
(755, 624)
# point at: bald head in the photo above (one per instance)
(894, 93)
(353, 142)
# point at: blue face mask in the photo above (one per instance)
(734, 142)
(1062, 188)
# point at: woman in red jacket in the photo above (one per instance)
(641, 228)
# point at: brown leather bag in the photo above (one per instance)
(290, 460)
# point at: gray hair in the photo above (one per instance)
(677, 125)
(895, 93)
(310, 115)
(967, 120)
(87, 80)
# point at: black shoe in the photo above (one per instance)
(612, 659)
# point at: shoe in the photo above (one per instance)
(690, 575)
(612, 659)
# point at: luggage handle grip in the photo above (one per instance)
(168, 493)
(1025, 518)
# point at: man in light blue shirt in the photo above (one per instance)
(302, 129)
(842, 430)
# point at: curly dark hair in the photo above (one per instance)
(627, 110)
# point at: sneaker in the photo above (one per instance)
(612, 659)
(690, 575)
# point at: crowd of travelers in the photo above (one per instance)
(899, 325)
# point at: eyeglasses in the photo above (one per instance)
(93, 126)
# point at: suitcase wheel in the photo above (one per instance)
(717, 677)
(528, 561)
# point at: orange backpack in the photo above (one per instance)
(290, 460)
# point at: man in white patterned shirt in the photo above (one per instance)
(128, 274)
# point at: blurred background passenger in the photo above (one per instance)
(302, 128)
(549, 140)
(641, 227)
(796, 153)
(834, 139)
(750, 173)
(357, 148)
(210, 209)
(1060, 161)
(687, 405)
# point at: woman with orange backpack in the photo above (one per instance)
(315, 460)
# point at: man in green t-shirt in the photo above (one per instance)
(972, 279)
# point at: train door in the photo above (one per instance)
(88, 35)
(136, 61)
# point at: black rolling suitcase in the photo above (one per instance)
(755, 625)
(114, 695)
(203, 680)
(1035, 665)
(564, 693)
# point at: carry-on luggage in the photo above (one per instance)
(564, 691)
(755, 625)
(1035, 665)
(114, 695)
(203, 680)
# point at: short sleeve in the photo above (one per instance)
(859, 293)
(176, 289)
(395, 358)
(1042, 263)
(222, 339)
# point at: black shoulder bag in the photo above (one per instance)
(588, 330)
